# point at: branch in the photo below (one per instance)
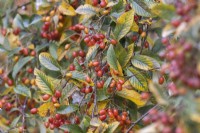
(95, 100)
(138, 120)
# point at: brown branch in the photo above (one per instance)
(138, 120)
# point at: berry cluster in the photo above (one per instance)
(163, 118)
(5, 104)
(179, 55)
(58, 120)
(49, 30)
(114, 114)
(101, 3)
(91, 40)
(77, 28)
(115, 85)
(54, 99)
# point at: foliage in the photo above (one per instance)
(100, 66)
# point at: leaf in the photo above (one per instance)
(18, 66)
(86, 10)
(66, 9)
(112, 60)
(18, 22)
(102, 93)
(49, 62)
(124, 55)
(137, 80)
(73, 128)
(67, 109)
(44, 82)
(22, 90)
(131, 95)
(140, 8)
(85, 123)
(145, 62)
(46, 108)
(134, 27)
(164, 11)
(77, 65)
(15, 121)
(92, 51)
(80, 76)
(112, 127)
(124, 23)
(101, 105)
(41, 126)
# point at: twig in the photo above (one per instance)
(95, 100)
(23, 113)
(138, 120)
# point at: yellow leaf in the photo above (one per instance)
(122, 19)
(101, 105)
(66, 9)
(88, 2)
(46, 108)
(102, 128)
(131, 95)
(134, 27)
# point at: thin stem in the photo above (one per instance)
(138, 120)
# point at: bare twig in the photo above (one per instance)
(138, 120)
(95, 99)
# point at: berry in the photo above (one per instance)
(103, 3)
(145, 95)
(46, 97)
(102, 117)
(34, 110)
(113, 41)
(88, 79)
(161, 80)
(99, 73)
(57, 94)
(81, 53)
(102, 112)
(176, 22)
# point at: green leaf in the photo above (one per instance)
(102, 93)
(112, 59)
(77, 65)
(86, 10)
(15, 121)
(124, 23)
(53, 50)
(140, 8)
(49, 62)
(145, 62)
(73, 128)
(18, 22)
(164, 11)
(67, 109)
(18, 66)
(85, 123)
(137, 80)
(112, 127)
(22, 90)
(45, 83)
(41, 126)
(124, 55)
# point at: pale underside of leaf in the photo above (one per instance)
(66, 9)
(86, 10)
(49, 62)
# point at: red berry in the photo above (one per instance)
(46, 97)
(161, 80)
(4, 32)
(8, 106)
(115, 112)
(54, 99)
(165, 40)
(102, 45)
(34, 110)
(102, 117)
(83, 90)
(88, 79)
(99, 73)
(103, 3)
(123, 117)
(75, 54)
(46, 124)
(111, 115)
(51, 126)
(87, 40)
(10, 82)
(25, 51)
(57, 94)
(176, 22)
(87, 90)
(33, 53)
(30, 70)
(102, 112)
(145, 95)
(119, 87)
(58, 116)
(113, 41)
(81, 53)
(72, 67)
(146, 44)
(134, 38)
(77, 120)
(95, 2)
(95, 63)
